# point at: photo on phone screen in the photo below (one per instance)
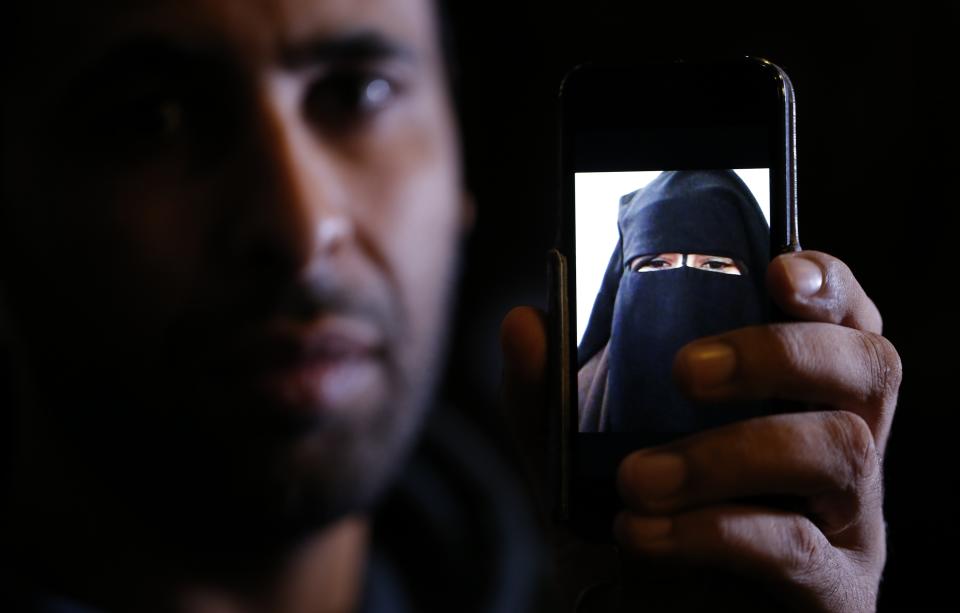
(663, 258)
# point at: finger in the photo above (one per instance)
(523, 340)
(817, 363)
(785, 549)
(826, 458)
(815, 286)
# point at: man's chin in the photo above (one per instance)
(323, 480)
(208, 465)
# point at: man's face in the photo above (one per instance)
(230, 236)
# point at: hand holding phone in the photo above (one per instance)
(833, 362)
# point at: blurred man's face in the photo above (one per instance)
(229, 239)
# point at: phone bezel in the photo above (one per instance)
(597, 98)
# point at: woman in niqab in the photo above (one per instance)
(641, 319)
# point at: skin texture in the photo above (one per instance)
(230, 234)
(686, 504)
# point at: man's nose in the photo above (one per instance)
(295, 210)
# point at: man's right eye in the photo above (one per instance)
(345, 98)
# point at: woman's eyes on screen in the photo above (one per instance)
(655, 264)
(662, 261)
(713, 263)
(666, 261)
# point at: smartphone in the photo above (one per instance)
(678, 186)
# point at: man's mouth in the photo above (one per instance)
(332, 365)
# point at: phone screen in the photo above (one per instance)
(663, 258)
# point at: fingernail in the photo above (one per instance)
(635, 528)
(652, 477)
(805, 276)
(711, 364)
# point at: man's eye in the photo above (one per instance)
(342, 98)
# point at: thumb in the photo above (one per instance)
(523, 340)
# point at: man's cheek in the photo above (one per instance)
(144, 260)
(168, 221)
(424, 248)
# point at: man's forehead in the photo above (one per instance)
(257, 30)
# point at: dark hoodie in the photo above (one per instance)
(640, 320)
(454, 533)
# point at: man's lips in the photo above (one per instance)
(336, 363)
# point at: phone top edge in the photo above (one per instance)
(689, 61)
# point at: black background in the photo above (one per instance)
(874, 125)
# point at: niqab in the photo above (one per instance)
(644, 318)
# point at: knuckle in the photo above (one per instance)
(884, 367)
(857, 454)
(802, 547)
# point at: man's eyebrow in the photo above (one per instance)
(360, 46)
(147, 54)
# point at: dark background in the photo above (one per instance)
(874, 135)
